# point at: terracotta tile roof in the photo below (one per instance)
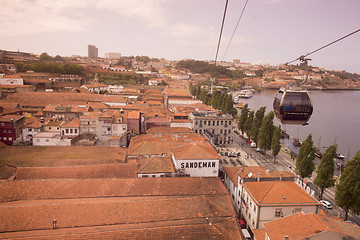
(164, 130)
(75, 123)
(42, 99)
(155, 165)
(6, 171)
(278, 193)
(134, 115)
(120, 170)
(177, 92)
(233, 173)
(37, 156)
(157, 144)
(9, 118)
(158, 120)
(201, 150)
(250, 172)
(301, 226)
(140, 208)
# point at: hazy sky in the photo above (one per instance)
(270, 31)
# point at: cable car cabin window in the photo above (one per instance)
(277, 100)
(296, 102)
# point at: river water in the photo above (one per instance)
(336, 119)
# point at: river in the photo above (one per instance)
(336, 119)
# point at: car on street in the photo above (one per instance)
(326, 204)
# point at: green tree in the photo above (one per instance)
(266, 131)
(325, 171)
(58, 58)
(275, 142)
(248, 123)
(347, 194)
(45, 56)
(243, 117)
(305, 159)
(255, 128)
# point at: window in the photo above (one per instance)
(196, 131)
(278, 212)
(57, 128)
(213, 123)
(144, 175)
(209, 123)
(108, 129)
(75, 130)
(9, 131)
(217, 123)
(49, 128)
(2, 124)
(71, 130)
(221, 122)
(213, 131)
(296, 210)
(230, 122)
(4, 131)
(5, 138)
(229, 131)
(204, 123)
(63, 133)
(254, 208)
(47, 140)
(200, 131)
(67, 130)
(196, 122)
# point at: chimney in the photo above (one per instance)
(280, 176)
(258, 176)
(286, 237)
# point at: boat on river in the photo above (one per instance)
(339, 156)
(245, 93)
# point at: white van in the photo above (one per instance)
(246, 234)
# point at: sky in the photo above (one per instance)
(270, 31)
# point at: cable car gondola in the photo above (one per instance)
(293, 106)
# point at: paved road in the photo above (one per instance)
(283, 163)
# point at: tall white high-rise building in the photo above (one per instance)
(112, 55)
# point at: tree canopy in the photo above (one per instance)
(51, 67)
(266, 131)
(347, 194)
(305, 159)
(243, 117)
(325, 171)
(255, 128)
(202, 67)
(275, 142)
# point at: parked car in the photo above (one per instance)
(253, 144)
(326, 204)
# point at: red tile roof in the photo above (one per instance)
(156, 208)
(278, 193)
(301, 226)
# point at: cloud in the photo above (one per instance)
(19, 17)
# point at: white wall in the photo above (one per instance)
(199, 168)
(11, 81)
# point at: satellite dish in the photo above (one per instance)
(250, 174)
